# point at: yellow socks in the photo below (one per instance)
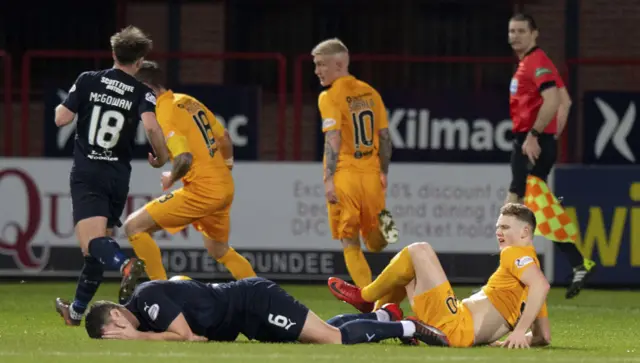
(399, 272)
(357, 266)
(149, 252)
(237, 265)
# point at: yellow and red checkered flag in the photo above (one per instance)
(553, 221)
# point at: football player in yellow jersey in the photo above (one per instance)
(487, 315)
(356, 159)
(202, 156)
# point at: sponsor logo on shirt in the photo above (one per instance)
(328, 122)
(152, 311)
(513, 87)
(150, 97)
(523, 261)
(542, 71)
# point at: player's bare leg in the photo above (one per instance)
(317, 331)
(357, 264)
(98, 250)
(238, 266)
(138, 227)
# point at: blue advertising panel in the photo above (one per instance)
(238, 108)
(447, 127)
(610, 133)
(605, 202)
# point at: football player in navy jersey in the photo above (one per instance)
(108, 104)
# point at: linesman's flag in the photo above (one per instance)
(553, 221)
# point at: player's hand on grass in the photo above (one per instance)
(198, 338)
(516, 340)
(166, 180)
(154, 161)
(121, 332)
(330, 191)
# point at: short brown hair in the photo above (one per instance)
(521, 212)
(150, 73)
(97, 317)
(130, 45)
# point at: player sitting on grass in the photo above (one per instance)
(487, 315)
(255, 307)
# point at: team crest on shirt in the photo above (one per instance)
(523, 261)
(328, 122)
(150, 97)
(513, 87)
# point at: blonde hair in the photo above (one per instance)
(330, 47)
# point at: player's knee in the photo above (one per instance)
(129, 226)
(350, 242)
(134, 224)
(422, 250)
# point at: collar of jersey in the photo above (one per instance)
(342, 79)
(167, 95)
(531, 51)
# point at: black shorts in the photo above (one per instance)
(98, 195)
(521, 166)
(271, 315)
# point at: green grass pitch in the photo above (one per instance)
(598, 326)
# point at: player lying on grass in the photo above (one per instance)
(255, 307)
(484, 317)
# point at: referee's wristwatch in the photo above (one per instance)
(535, 133)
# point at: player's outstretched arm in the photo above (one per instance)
(538, 289)
(156, 139)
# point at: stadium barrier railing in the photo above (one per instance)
(8, 103)
(102, 55)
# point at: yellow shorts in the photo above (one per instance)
(207, 210)
(360, 200)
(439, 308)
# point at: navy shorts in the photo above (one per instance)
(98, 195)
(271, 315)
